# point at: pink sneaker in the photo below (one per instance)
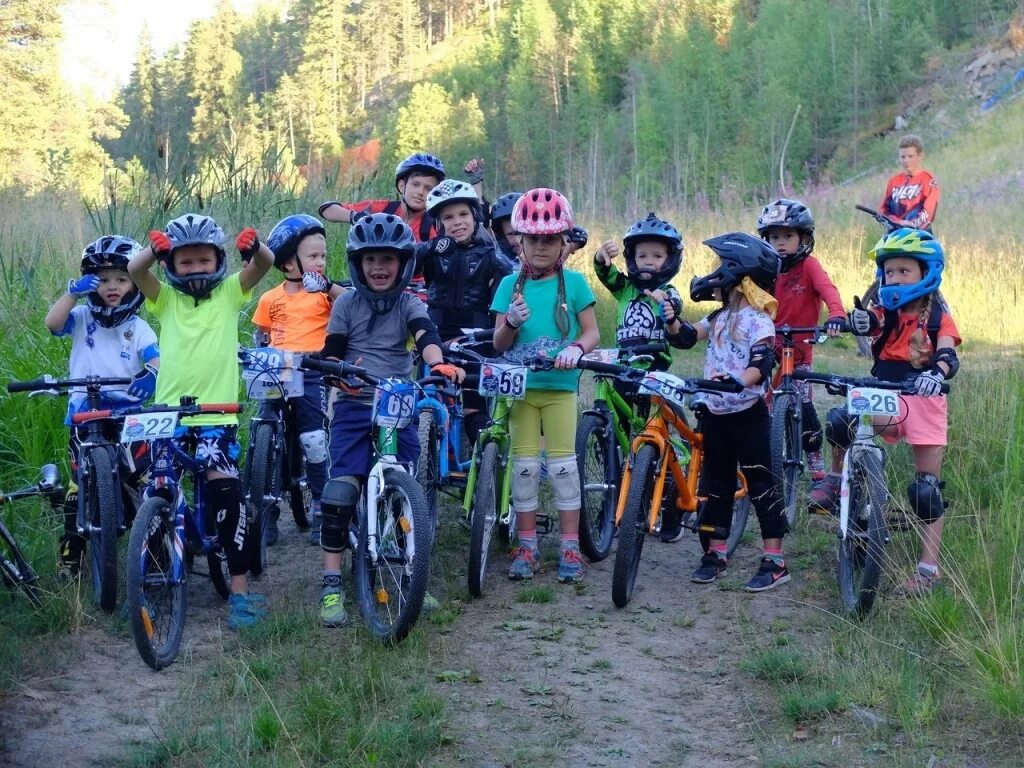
(816, 463)
(825, 495)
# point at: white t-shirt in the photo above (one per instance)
(98, 351)
(731, 334)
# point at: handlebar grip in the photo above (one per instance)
(712, 385)
(597, 366)
(483, 334)
(84, 416)
(220, 408)
(29, 386)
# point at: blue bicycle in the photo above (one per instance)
(168, 532)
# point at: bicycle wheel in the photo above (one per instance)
(786, 451)
(861, 552)
(300, 500)
(156, 600)
(217, 562)
(101, 512)
(15, 569)
(428, 465)
(633, 526)
(740, 515)
(600, 471)
(484, 516)
(261, 471)
(390, 591)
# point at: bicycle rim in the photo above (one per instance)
(861, 552)
(484, 517)
(599, 484)
(633, 525)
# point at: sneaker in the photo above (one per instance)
(816, 463)
(825, 495)
(921, 583)
(711, 567)
(332, 607)
(314, 530)
(525, 563)
(769, 575)
(241, 612)
(430, 604)
(258, 603)
(272, 532)
(72, 553)
(570, 565)
(671, 527)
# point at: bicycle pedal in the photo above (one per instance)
(545, 524)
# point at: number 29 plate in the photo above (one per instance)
(149, 426)
(864, 401)
(499, 380)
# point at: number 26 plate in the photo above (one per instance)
(872, 402)
(497, 380)
(149, 426)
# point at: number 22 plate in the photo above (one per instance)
(149, 426)
(872, 402)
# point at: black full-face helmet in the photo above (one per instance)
(742, 255)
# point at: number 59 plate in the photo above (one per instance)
(499, 380)
(149, 426)
(872, 402)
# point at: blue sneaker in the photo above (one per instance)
(570, 565)
(525, 563)
(242, 612)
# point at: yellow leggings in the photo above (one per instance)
(555, 409)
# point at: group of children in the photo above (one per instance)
(503, 268)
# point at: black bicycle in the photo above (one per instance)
(15, 570)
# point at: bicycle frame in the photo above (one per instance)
(498, 433)
(449, 419)
(863, 442)
(621, 411)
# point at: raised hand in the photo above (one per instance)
(862, 321)
(247, 242)
(159, 243)
(607, 252)
(474, 170)
(518, 312)
(83, 286)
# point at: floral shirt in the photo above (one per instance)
(731, 334)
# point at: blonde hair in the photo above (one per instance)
(920, 345)
(912, 140)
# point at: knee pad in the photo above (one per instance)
(337, 504)
(812, 427)
(840, 427)
(565, 482)
(525, 482)
(925, 495)
(314, 445)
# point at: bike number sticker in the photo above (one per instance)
(603, 356)
(864, 401)
(149, 426)
(663, 385)
(394, 404)
(269, 374)
(500, 380)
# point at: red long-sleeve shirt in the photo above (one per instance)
(801, 291)
(911, 199)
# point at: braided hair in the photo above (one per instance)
(920, 345)
(561, 303)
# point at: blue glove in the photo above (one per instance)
(143, 384)
(83, 286)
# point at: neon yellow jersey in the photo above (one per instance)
(199, 347)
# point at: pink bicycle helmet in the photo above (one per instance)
(542, 211)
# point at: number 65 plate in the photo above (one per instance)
(149, 426)
(864, 401)
(501, 380)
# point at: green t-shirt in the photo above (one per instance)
(199, 347)
(540, 335)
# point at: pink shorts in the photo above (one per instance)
(922, 421)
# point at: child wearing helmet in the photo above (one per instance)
(293, 316)
(198, 309)
(370, 326)
(801, 290)
(502, 229)
(736, 427)
(545, 311)
(108, 339)
(914, 338)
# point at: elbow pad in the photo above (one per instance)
(762, 357)
(685, 339)
(429, 335)
(948, 356)
(335, 345)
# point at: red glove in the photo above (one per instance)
(160, 243)
(449, 371)
(247, 242)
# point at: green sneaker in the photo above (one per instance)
(430, 604)
(332, 607)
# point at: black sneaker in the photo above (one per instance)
(671, 529)
(769, 575)
(272, 530)
(711, 567)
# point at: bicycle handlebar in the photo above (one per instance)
(789, 331)
(889, 223)
(628, 373)
(844, 383)
(48, 382)
(186, 410)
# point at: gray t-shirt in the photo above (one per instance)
(384, 342)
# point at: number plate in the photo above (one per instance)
(666, 386)
(394, 404)
(500, 380)
(149, 426)
(271, 374)
(603, 356)
(864, 401)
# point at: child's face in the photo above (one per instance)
(194, 260)
(458, 221)
(380, 270)
(114, 285)
(650, 255)
(506, 230)
(910, 160)
(310, 256)
(785, 240)
(901, 270)
(414, 189)
(542, 252)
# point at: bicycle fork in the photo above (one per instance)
(863, 443)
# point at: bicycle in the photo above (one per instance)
(602, 439)
(102, 517)
(391, 557)
(863, 529)
(15, 570)
(275, 461)
(168, 532)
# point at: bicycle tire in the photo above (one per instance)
(633, 525)
(261, 471)
(786, 451)
(156, 604)
(401, 498)
(596, 449)
(217, 563)
(300, 497)
(101, 511)
(861, 552)
(483, 517)
(740, 515)
(16, 571)
(428, 465)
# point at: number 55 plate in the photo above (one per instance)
(864, 401)
(149, 426)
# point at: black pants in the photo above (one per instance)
(744, 438)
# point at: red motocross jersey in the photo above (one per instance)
(911, 199)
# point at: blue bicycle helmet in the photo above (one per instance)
(420, 162)
(111, 252)
(286, 235)
(502, 208)
(195, 229)
(381, 232)
(915, 244)
(652, 228)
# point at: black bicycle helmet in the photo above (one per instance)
(793, 214)
(381, 232)
(286, 235)
(652, 228)
(420, 162)
(742, 256)
(111, 252)
(196, 229)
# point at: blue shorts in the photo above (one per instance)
(215, 448)
(352, 439)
